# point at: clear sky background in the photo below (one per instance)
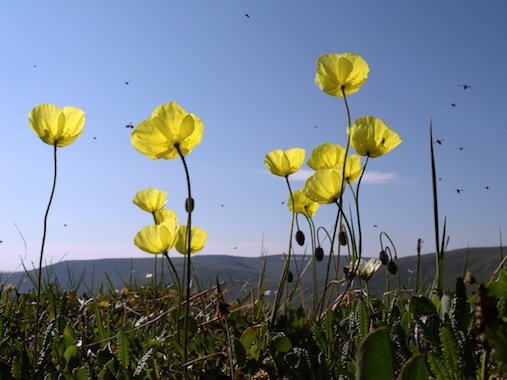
(251, 81)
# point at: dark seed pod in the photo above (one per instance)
(319, 253)
(300, 237)
(290, 277)
(383, 257)
(392, 267)
(342, 238)
(189, 204)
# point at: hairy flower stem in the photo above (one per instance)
(39, 280)
(189, 207)
(285, 272)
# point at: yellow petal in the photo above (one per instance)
(150, 200)
(341, 73)
(156, 239)
(302, 204)
(197, 240)
(283, 163)
(326, 155)
(370, 136)
(324, 186)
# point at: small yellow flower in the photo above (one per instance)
(353, 168)
(341, 73)
(165, 215)
(284, 163)
(150, 200)
(303, 204)
(156, 239)
(324, 186)
(56, 126)
(370, 136)
(168, 129)
(197, 240)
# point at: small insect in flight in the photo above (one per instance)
(127, 82)
(439, 142)
(247, 15)
(129, 125)
(465, 86)
(460, 148)
(459, 190)
(486, 187)
(453, 104)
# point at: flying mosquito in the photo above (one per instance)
(459, 190)
(129, 125)
(439, 142)
(465, 86)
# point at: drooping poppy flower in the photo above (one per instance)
(283, 163)
(197, 239)
(324, 186)
(341, 73)
(150, 200)
(370, 136)
(156, 239)
(302, 204)
(168, 129)
(56, 126)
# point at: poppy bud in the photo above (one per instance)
(300, 237)
(290, 277)
(189, 204)
(319, 253)
(392, 267)
(342, 238)
(383, 257)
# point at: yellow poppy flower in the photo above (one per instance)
(370, 136)
(328, 155)
(325, 156)
(56, 126)
(283, 163)
(303, 204)
(324, 186)
(156, 239)
(197, 240)
(169, 126)
(339, 73)
(150, 200)
(165, 215)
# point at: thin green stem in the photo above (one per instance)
(44, 232)
(285, 272)
(189, 206)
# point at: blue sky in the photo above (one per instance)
(251, 81)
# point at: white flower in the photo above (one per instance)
(365, 269)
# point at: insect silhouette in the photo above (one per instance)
(439, 142)
(460, 148)
(247, 15)
(129, 125)
(127, 82)
(459, 190)
(486, 187)
(453, 104)
(465, 86)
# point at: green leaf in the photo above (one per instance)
(414, 369)
(248, 336)
(282, 344)
(438, 367)
(374, 359)
(123, 349)
(239, 352)
(363, 320)
(68, 354)
(450, 349)
(499, 287)
(420, 305)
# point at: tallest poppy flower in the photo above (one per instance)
(169, 129)
(341, 73)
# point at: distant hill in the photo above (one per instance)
(242, 273)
